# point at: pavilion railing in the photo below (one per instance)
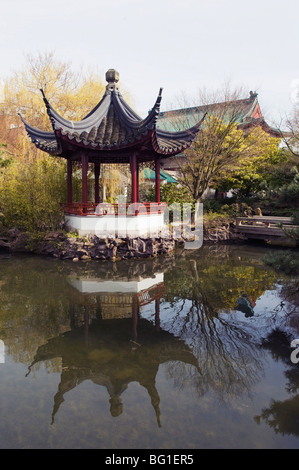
(101, 209)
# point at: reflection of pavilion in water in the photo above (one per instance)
(109, 342)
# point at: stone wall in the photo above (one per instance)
(65, 246)
(60, 245)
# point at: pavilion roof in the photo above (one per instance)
(111, 126)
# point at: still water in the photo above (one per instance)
(190, 351)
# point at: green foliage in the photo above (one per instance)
(285, 262)
(281, 173)
(214, 219)
(212, 205)
(226, 206)
(295, 217)
(30, 194)
(253, 171)
(171, 193)
(290, 192)
(5, 158)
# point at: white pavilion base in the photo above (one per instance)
(96, 286)
(118, 297)
(111, 226)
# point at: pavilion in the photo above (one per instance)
(111, 133)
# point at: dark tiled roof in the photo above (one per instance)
(174, 142)
(44, 140)
(110, 126)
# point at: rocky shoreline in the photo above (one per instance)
(68, 246)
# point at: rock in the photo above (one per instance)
(54, 236)
(85, 258)
(113, 252)
(58, 245)
(4, 245)
(21, 244)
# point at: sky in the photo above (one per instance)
(183, 46)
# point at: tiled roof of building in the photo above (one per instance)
(246, 113)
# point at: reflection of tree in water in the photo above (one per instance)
(199, 291)
(283, 416)
(33, 305)
(228, 357)
(289, 294)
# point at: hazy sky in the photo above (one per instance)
(181, 46)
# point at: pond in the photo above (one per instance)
(185, 351)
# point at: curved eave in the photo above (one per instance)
(59, 122)
(172, 143)
(43, 140)
(260, 122)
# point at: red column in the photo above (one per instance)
(137, 172)
(157, 172)
(69, 182)
(84, 161)
(96, 183)
(133, 167)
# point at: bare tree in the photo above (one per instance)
(291, 135)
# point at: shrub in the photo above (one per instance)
(31, 192)
(286, 262)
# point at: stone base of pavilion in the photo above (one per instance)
(108, 221)
(117, 227)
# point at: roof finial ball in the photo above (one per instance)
(112, 76)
